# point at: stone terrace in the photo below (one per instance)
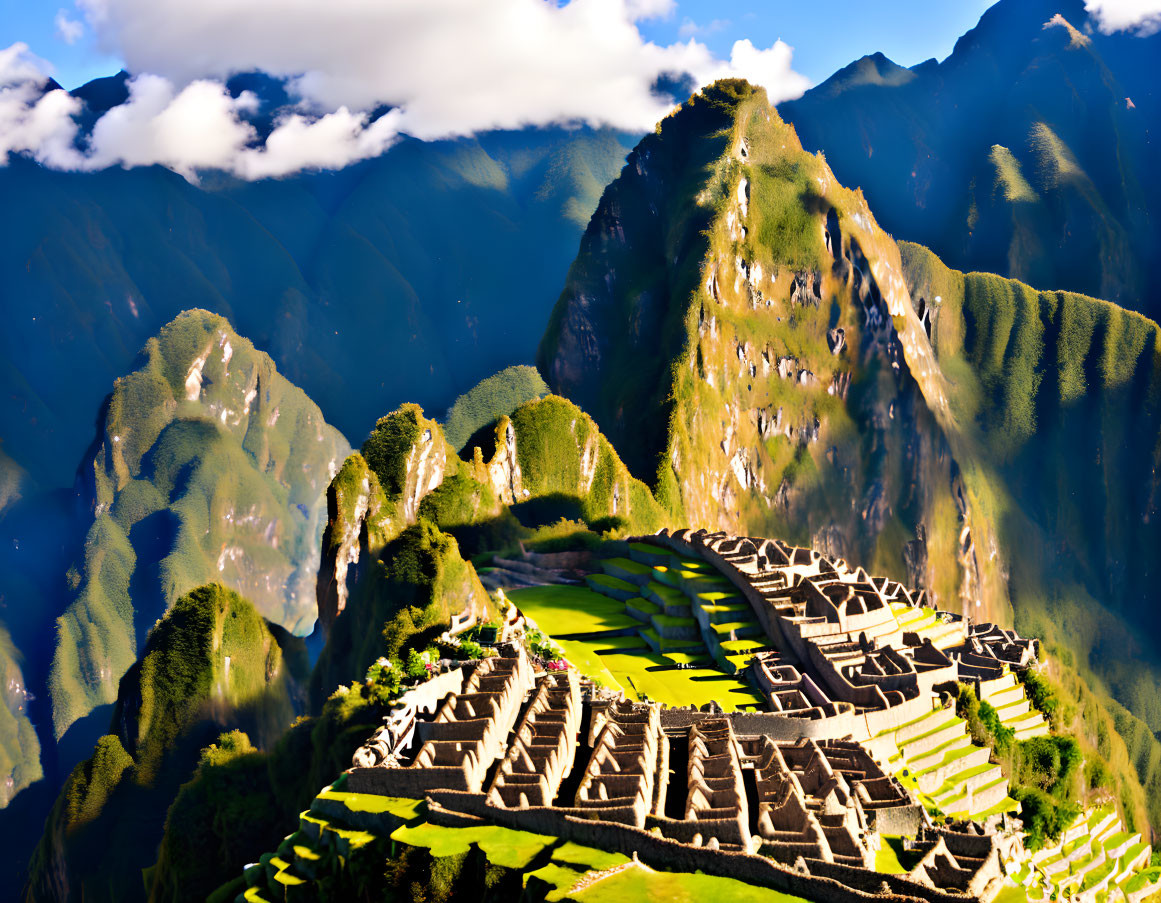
(855, 744)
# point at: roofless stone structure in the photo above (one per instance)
(797, 797)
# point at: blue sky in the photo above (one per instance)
(825, 35)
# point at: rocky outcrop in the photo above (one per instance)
(504, 468)
(356, 511)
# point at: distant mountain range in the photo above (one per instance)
(1029, 152)
(410, 276)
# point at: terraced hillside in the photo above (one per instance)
(343, 834)
(645, 625)
(1095, 858)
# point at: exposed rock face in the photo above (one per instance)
(799, 394)
(504, 469)
(347, 538)
(426, 465)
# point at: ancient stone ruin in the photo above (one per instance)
(856, 743)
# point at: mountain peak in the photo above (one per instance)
(874, 69)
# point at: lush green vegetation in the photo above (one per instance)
(389, 446)
(562, 454)
(19, 746)
(211, 659)
(489, 400)
(240, 802)
(1044, 387)
(226, 485)
(1045, 773)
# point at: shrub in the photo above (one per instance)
(489, 400)
(1040, 693)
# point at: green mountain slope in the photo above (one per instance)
(1028, 152)
(784, 390)
(211, 662)
(393, 280)
(19, 747)
(210, 466)
(798, 394)
(1059, 395)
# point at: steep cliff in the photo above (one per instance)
(737, 324)
(19, 746)
(211, 663)
(209, 466)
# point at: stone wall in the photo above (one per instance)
(827, 884)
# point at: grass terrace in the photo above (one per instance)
(644, 615)
(349, 836)
(935, 756)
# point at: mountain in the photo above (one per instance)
(408, 277)
(1059, 398)
(737, 324)
(772, 363)
(742, 347)
(403, 511)
(1028, 152)
(211, 662)
(209, 465)
(19, 746)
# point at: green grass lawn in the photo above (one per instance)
(696, 686)
(627, 565)
(406, 809)
(562, 610)
(503, 846)
(560, 877)
(620, 663)
(638, 884)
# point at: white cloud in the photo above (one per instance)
(1140, 16)
(68, 29)
(770, 68)
(196, 128)
(446, 67)
(330, 142)
(33, 121)
(690, 28)
(452, 66)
